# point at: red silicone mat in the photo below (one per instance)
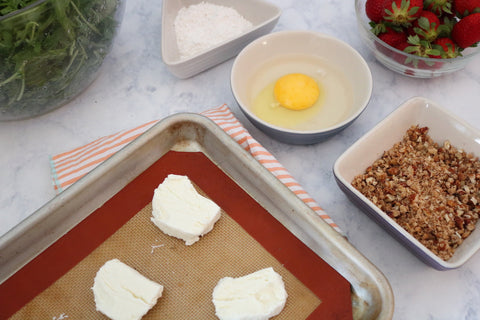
(77, 245)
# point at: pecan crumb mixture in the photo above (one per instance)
(432, 191)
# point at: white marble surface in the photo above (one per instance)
(135, 87)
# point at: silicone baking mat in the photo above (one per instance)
(247, 238)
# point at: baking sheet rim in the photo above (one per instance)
(23, 246)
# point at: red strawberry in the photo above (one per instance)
(393, 37)
(439, 7)
(426, 26)
(375, 10)
(466, 32)
(446, 26)
(447, 48)
(378, 28)
(465, 7)
(400, 58)
(402, 45)
(421, 47)
(430, 65)
(418, 48)
(402, 12)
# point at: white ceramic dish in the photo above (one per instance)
(262, 56)
(442, 126)
(262, 14)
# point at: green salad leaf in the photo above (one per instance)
(50, 50)
(8, 6)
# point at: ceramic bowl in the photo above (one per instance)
(404, 63)
(442, 126)
(262, 14)
(276, 54)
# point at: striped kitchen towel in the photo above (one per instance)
(68, 167)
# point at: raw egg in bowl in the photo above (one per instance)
(300, 87)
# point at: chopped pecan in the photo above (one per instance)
(430, 190)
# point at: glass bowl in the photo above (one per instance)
(404, 63)
(51, 50)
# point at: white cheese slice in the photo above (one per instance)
(122, 293)
(257, 296)
(180, 211)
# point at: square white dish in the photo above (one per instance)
(262, 14)
(442, 126)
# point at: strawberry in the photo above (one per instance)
(447, 48)
(392, 37)
(426, 26)
(421, 47)
(439, 7)
(400, 58)
(465, 7)
(424, 49)
(466, 32)
(430, 65)
(403, 45)
(446, 26)
(410, 31)
(378, 28)
(375, 10)
(402, 12)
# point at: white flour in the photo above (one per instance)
(204, 25)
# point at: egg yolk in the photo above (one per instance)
(296, 91)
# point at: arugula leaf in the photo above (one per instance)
(51, 51)
(8, 6)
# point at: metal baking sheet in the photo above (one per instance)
(372, 296)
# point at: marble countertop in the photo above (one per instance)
(135, 87)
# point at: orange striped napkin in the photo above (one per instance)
(70, 166)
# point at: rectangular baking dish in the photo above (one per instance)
(442, 126)
(372, 297)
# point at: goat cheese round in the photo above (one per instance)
(180, 211)
(122, 293)
(257, 296)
